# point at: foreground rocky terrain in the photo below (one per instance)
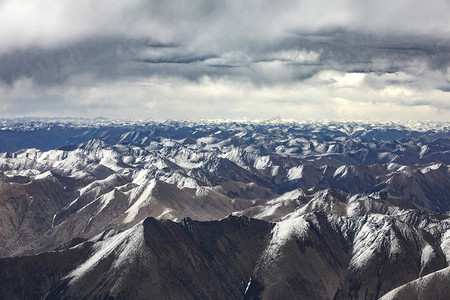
(223, 210)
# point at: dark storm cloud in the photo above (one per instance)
(113, 58)
(359, 51)
(101, 57)
(190, 59)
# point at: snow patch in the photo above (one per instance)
(295, 173)
(291, 195)
(202, 191)
(97, 185)
(241, 134)
(141, 177)
(124, 243)
(267, 211)
(275, 170)
(282, 232)
(207, 140)
(386, 156)
(179, 180)
(189, 159)
(143, 198)
(430, 168)
(43, 175)
(166, 214)
(427, 255)
(263, 162)
(423, 150)
(105, 200)
(393, 167)
(342, 171)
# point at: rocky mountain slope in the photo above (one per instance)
(317, 255)
(282, 209)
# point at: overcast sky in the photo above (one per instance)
(347, 59)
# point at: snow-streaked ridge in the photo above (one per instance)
(139, 198)
(121, 245)
(421, 286)
(282, 232)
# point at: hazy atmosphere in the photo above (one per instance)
(226, 59)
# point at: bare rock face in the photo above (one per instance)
(154, 259)
(32, 277)
(27, 208)
(317, 255)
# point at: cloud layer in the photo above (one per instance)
(224, 59)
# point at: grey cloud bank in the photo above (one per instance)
(203, 59)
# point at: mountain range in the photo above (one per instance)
(103, 209)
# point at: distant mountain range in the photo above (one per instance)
(101, 209)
